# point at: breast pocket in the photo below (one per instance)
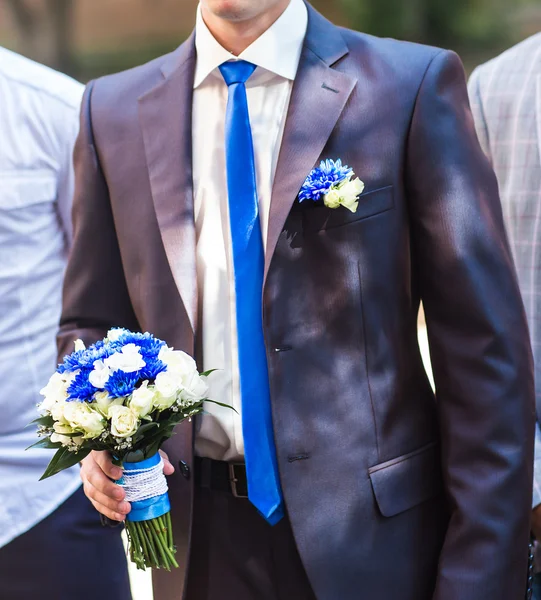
(318, 218)
(22, 189)
(29, 224)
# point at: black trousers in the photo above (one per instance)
(236, 555)
(67, 556)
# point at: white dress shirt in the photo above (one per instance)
(38, 125)
(276, 54)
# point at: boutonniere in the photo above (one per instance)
(335, 184)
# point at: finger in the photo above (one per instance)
(105, 502)
(168, 468)
(97, 479)
(111, 514)
(103, 460)
(87, 464)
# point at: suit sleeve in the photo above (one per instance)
(481, 125)
(479, 344)
(95, 296)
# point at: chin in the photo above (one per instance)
(235, 10)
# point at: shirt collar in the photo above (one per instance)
(278, 50)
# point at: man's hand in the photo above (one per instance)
(98, 474)
(536, 522)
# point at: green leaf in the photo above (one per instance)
(151, 450)
(64, 459)
(137, 456)
(146, 427)
(46, 421)
(152, 440)
(72, 458)
(221, 404)
(207, 373)
(50, 470)
(45, 443)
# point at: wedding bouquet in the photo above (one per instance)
(124, 394)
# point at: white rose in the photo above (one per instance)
(168, 384)
(142, 400)
(62, 428)
(55, 391)
(128, 360)
(99, 375)
(57, 411)
(69, 376)
(351, 205)
(181, 376)
(332, 199)
(47, 404)
(81, 416)
(124, 421)
(350, 192)
(103, 402)
(163, 402)
(114, 334)
(177, 362)
(66, 440)
(196, 389)
(79, 345)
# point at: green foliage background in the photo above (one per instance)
(476, 29)
(461, 24)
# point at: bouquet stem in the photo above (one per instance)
(151, 543)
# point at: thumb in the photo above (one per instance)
(168, 468)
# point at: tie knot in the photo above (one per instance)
(236, 71)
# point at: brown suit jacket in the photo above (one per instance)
(399, 496)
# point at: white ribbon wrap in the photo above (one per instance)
(141, 484)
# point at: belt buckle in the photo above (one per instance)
(233, 479)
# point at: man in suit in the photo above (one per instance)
(506, 101)
(341, 477)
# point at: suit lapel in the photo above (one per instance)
(318, 98)
(165, 114)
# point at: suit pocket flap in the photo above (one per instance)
(402, 483)
(317, 218)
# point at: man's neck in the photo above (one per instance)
(236, 36)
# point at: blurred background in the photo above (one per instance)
(88, 38)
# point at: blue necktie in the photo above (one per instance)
(248, 260)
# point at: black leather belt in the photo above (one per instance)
(221, 476)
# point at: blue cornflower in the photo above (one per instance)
(80, 388)
(84, 359)
(150, 346)
(321, 180)
(119, 383)
(122, 384)
(152, 368)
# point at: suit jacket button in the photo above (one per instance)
(184, 469)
